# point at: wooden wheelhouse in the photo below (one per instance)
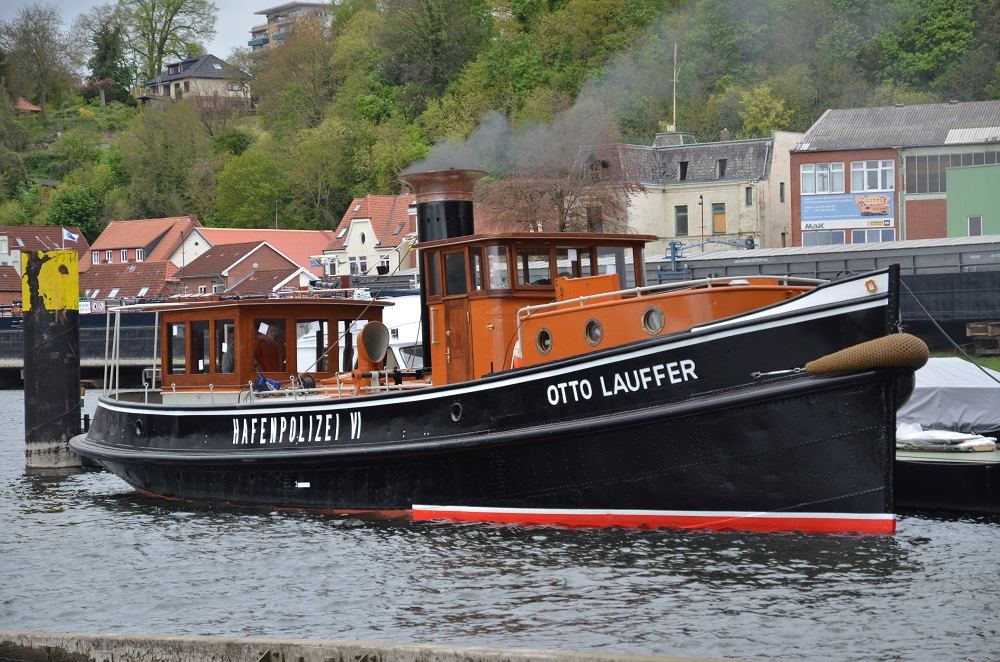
(281, 339)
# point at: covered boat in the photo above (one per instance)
(946, 454)
(556, 388)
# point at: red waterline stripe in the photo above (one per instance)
(721, 521)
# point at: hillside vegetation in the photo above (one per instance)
(510, 86)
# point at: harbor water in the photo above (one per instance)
(81, 552)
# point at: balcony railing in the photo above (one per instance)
(258, 42)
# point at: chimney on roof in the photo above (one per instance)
(724, 135)
(405, 191)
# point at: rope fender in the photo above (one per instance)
(899, 350)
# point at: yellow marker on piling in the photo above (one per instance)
(50, 286)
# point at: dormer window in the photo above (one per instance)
(108, 256)
(140, 254)
(95, 257)
(124, 255)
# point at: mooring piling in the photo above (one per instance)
(50, 286)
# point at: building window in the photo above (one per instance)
(872, 236)
(140, 254)
(823, 238)
(142, 291)
(113, 293)
(234, 87)
(684, 170)
(720, 168)
(781, 191)
(871, 176)
(108, 256)
(93, 295)
(595, 219)
(719, 217)
(95, 257)
(124, 255)
(681, 220)
(202, 289)
(187, 86)
(748, 195)
(820, 178)
(975, 226)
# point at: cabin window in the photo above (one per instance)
(533, 267)
(312, 340)
(616, 261)
(269, 345)
(477, 269)
(200, 347)
(225, 346)
(176, 348)
(454, 274)
(433, 279)
(573, 262)
(496, 258)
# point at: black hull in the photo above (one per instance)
(971, 486)
(675, 431)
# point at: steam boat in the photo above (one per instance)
(557, 388)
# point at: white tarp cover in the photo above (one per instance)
(954, 394)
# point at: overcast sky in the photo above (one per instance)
(235, 18)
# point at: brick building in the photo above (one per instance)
(864, 175)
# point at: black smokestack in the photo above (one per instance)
(444, 211)
(444, 202)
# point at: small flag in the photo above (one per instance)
(313, 263)
(69, 236)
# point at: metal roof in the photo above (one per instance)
(904, 126)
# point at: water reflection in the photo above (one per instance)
(83, 552)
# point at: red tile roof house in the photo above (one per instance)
(298, 245)
(150, 240)
(25, 107)
(136, 280)
(244, 268)
(374, 236)
(17, 238)
(10, 286)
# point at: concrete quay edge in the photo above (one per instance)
(31, 646)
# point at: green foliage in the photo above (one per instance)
(252, 191)
(75, 207)
(932, 34)
(763, 113)
(74, 149)
(231, 140)
(12, 174)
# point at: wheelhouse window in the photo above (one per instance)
(225, 346)
(176, 348)
(477, 270)
(433, 278)
(454, 274)
(872, 176)
(613, 260)
(820, 178)
(499, 269)
(574, 262)
(269, 345)
(533, 267)
(200, 347)
(312, 342)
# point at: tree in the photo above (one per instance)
(427, 42)
(108, 70)
(253, 191)
(763, 113)
(37, 48)
(158, 29)
(298, 80)
(157, 150)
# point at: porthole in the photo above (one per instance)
(456, 411)
(593, 332)
(543, 341)
(138, 427)
(653, 320)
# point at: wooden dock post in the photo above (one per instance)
(50, 285)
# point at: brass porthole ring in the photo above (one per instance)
(543, 341)
(593, 332)
(653, 320)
